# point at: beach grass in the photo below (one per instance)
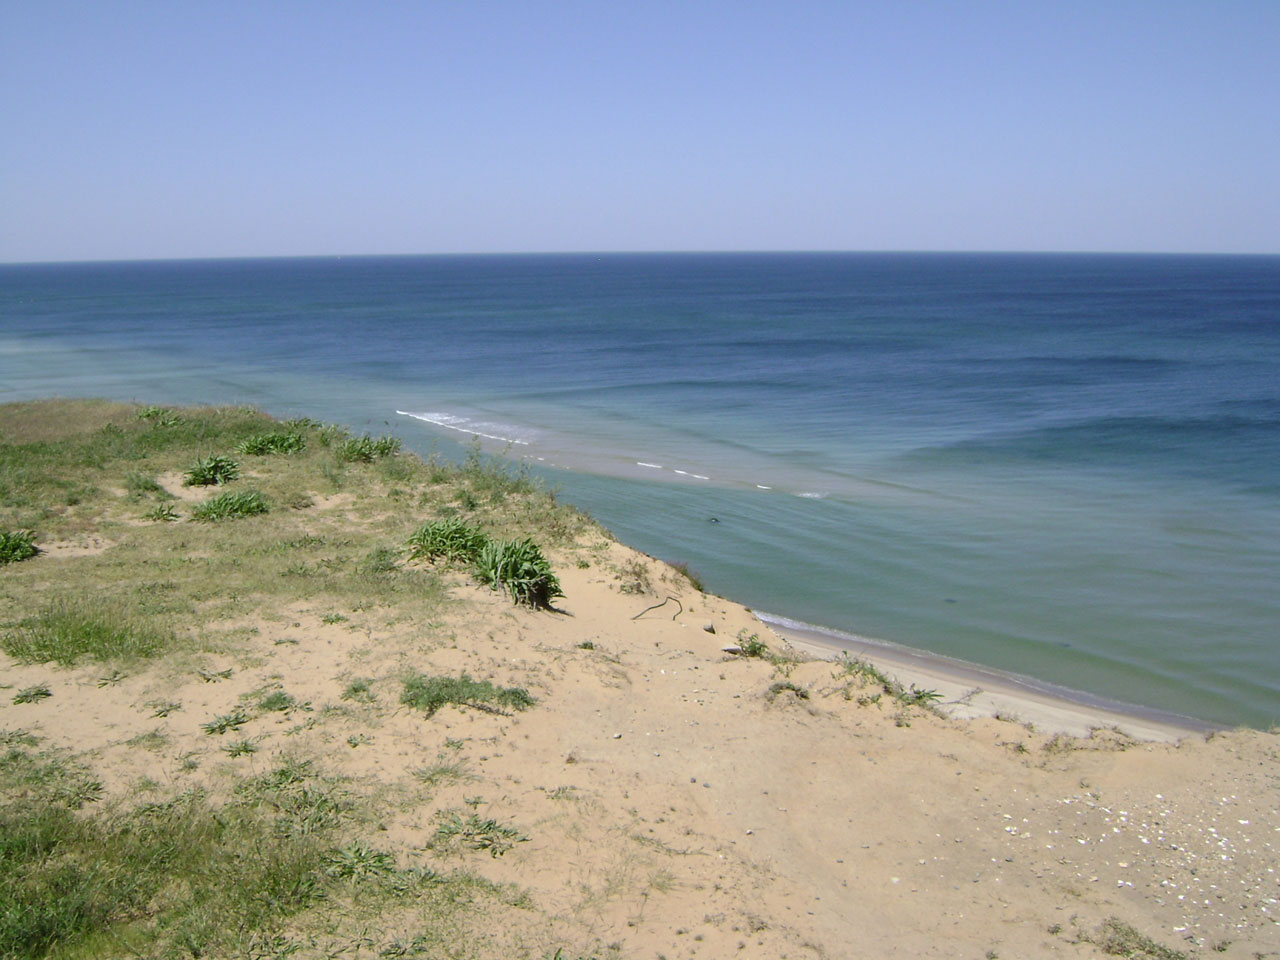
(68, 631)
(211, 471)
(16, 545)
(429, 694)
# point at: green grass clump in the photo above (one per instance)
(261, 444)
(175, 878)
(429, 694)
(1118, 939)
(68, 631)
(476, 833)
(786, 686)
(32, 694)
(452, 539)
(225, 722)
(519, 567)
(694, 579)
(753, 646)
(865, 673)
(139, 485)
(211, 471)
(366, 449)
(228, 506)
(359, 691)
(276, 700)
(159, 416)
(161, 512)
(445, 770)
(16, 545)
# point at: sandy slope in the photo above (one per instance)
(675, 807)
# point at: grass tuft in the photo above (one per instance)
(16, 545)
(162, 513)
(429, 694)
(223, 723)
(453, 540)
(476, 833)
(211, 471)
(33, 694)
(140, 485)
(786, 686)
(519, 567)
(359, 690)
(366, 449)
(694, 579)
(67, 632)
(229, 506)
(445, 770)
(865, 672)
(753, 646)
(358, 860)
(1118, 939)
(261, 444)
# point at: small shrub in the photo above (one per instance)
(634, 575)
(753, 646)
(366, 449)
(262, 444)
(227, 506)
(453, 540)
(240, 748)
(520, 568)
(16, 545)
(211, 471)
(429, 694)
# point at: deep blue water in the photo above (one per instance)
(1063, 466)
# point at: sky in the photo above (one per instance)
(185, 128)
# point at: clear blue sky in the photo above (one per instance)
(181, 128)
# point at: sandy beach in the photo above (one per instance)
(968, 690)
(674, 797)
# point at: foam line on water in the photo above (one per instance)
(462, 425)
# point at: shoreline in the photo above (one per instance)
(456, 773)
(970, 690)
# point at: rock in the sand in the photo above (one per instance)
(709, 627)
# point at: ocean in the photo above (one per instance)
(1062, 466)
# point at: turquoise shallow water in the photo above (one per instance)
(1063, 466)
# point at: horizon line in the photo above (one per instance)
(637, 253)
